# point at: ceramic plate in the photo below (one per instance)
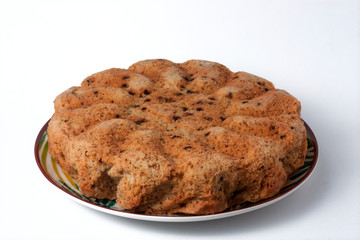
(54, 174)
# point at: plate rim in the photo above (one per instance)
(164, 218)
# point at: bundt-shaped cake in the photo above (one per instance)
(165, 138)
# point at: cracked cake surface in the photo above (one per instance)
(163, 137)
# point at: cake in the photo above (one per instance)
(177, 138)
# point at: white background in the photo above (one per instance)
(309, 48)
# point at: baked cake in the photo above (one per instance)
(165, 138)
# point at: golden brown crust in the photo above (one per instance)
(192, 138)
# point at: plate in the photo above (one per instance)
(54, 174)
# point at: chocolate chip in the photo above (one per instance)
(258, 104)
(175, 136)
(189, 79)
(235, 193)
(208, 118)
(272, 128)
(147, 100)
(266, 89)
(178, 94)
(96, 92)
(199, 102)
(199, 109)
(189, 92)
(176, 118)
(282, 137)
(146, 92)
(117, 116)
(140, 121)
(229, 95)
(124, 85)
(236, 77)
(212, 98)
(187, 147)
(222, 118)
(125, 77)
(207, 134)
(143, 109)
(131, 93)
(185, 109)
(243, 102)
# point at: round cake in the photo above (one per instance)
(167, 138)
